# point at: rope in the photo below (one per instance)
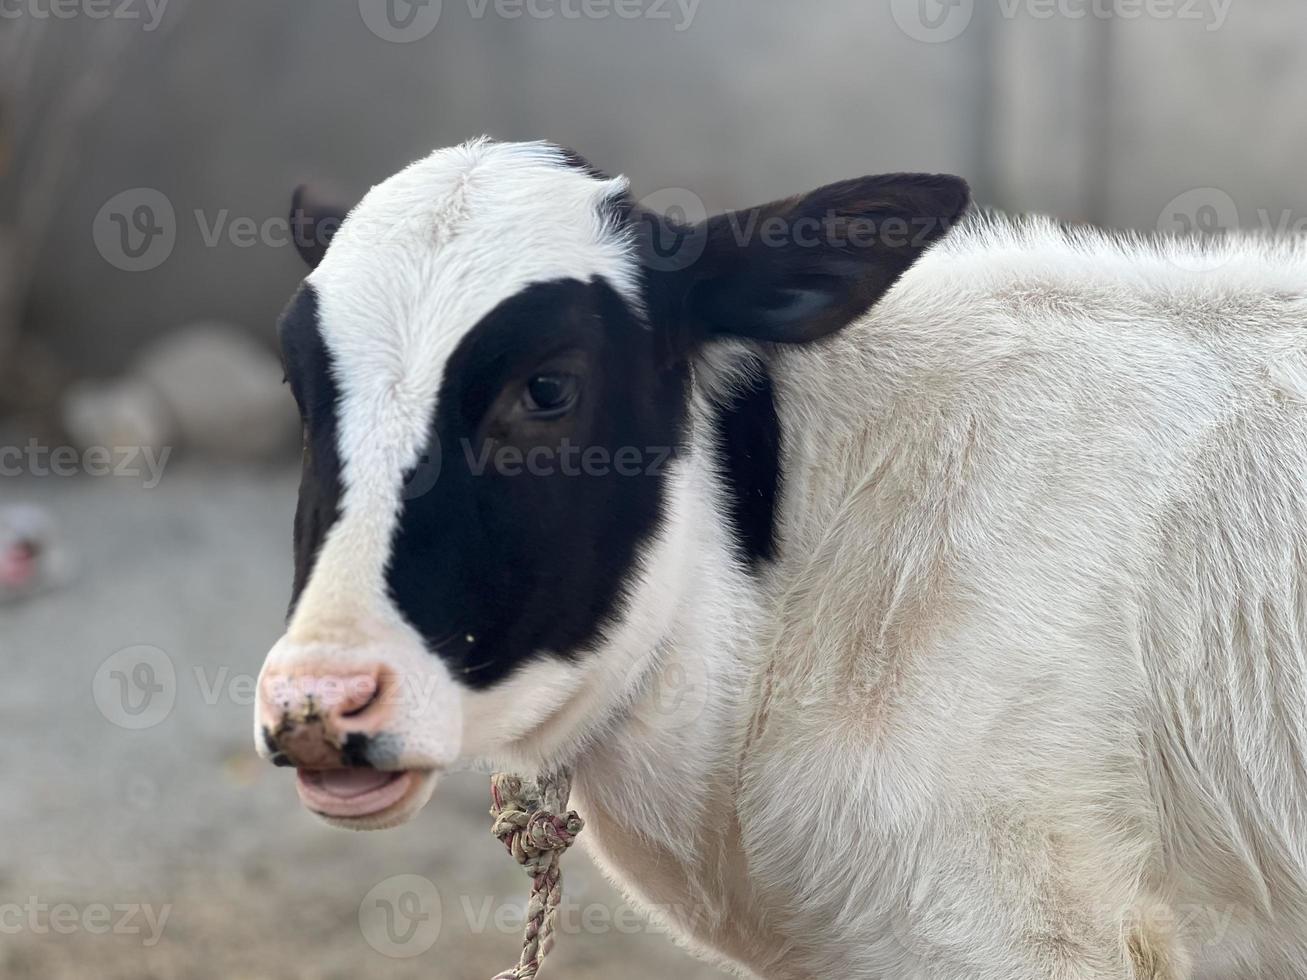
(525, 819)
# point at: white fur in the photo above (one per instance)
(1023, 696)
(1027, 697)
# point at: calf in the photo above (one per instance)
(912, 595)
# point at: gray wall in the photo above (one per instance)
(230, 104)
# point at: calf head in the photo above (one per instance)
(492, 360)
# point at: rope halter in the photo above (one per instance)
(525, 813)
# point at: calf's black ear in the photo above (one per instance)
(315, 217)
(797, 270)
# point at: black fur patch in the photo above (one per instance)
(309, 371)
(749, 439)
(503, 558)
(578, 162)
(314, 221)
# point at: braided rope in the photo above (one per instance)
(525, 819)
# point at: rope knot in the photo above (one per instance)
(526, 820)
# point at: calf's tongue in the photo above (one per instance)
(348, 783)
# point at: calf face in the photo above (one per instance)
(492, 361)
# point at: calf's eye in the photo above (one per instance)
(548, 396)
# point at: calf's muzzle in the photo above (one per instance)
(322, 720)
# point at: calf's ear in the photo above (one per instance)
(315, 216)
(797, 270)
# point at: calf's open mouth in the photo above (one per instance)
(345, 794)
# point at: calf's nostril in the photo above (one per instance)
(361, 708)
(344, 697)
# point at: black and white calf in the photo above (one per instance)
(909, 600)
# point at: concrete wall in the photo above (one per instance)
(1102, 117)
(238, 101)
(1121, 120)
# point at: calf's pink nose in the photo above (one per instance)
(308, 718)
(327, 695)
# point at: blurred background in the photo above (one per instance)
(147, 450)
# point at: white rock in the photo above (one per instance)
(207, 388)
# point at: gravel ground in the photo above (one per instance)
(155, 845)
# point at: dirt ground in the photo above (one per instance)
(145, 841)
